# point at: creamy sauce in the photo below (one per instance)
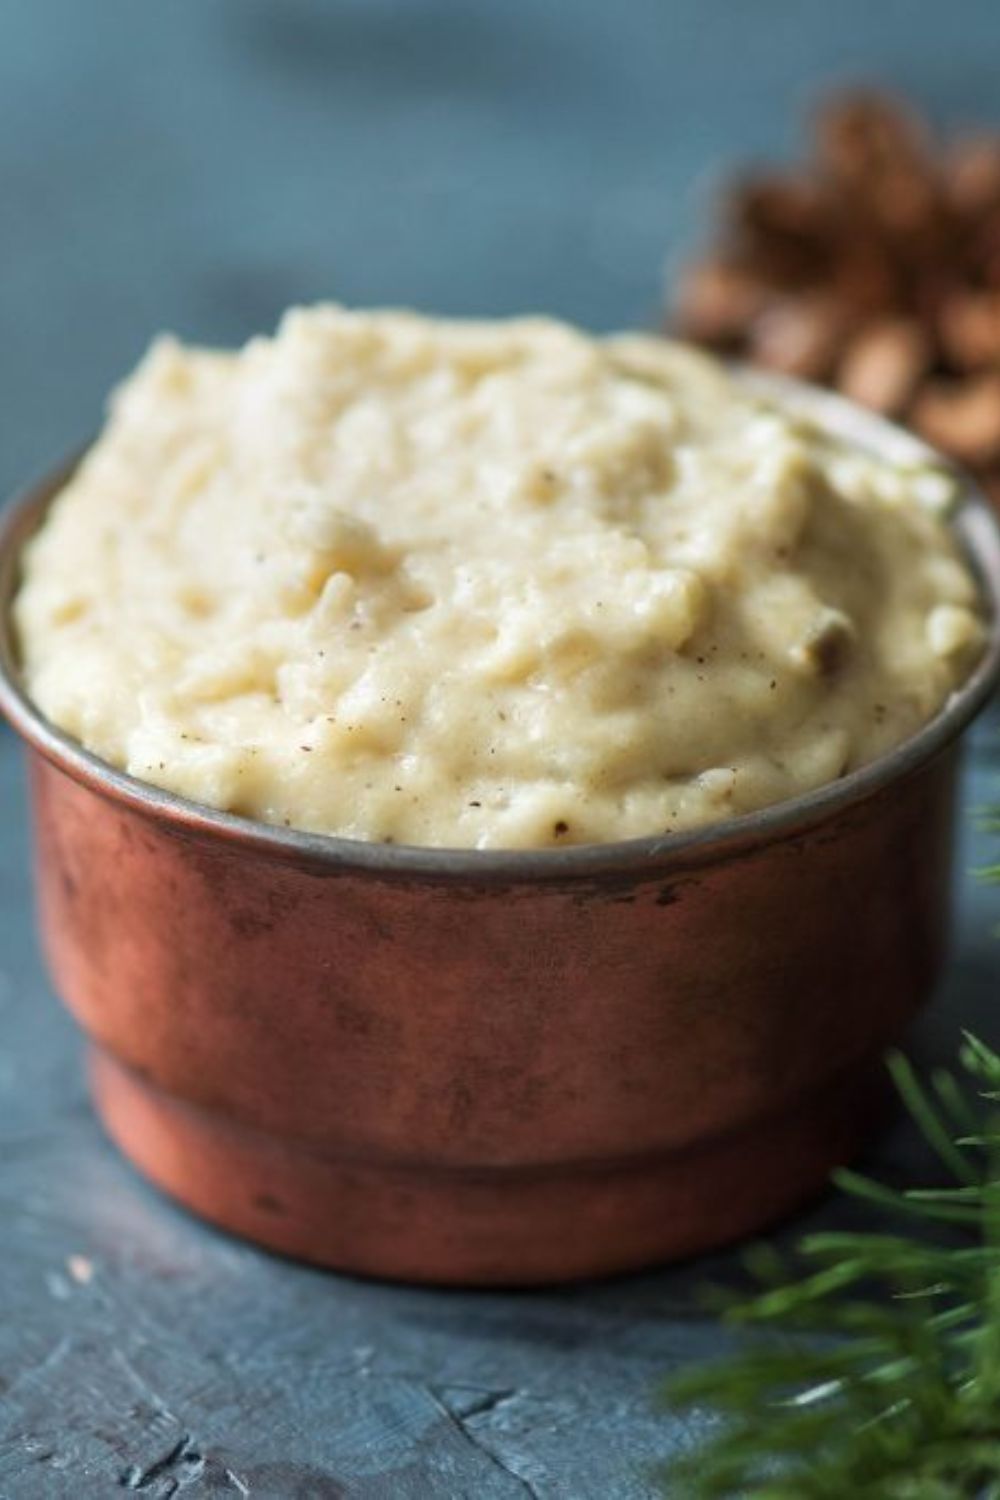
(484, 585)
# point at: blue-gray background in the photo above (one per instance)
(197, 165)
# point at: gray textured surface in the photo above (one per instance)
(198, 164)
(142, 1351)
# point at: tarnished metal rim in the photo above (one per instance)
(977, 530)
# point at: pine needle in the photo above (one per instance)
(871, 1367)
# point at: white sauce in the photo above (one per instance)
(484, 585)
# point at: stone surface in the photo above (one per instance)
(140, 1350)
(198, 165)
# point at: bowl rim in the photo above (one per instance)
(973, 520)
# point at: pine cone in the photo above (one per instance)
(874, 269)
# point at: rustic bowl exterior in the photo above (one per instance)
(453, 1066)
(485, 1081)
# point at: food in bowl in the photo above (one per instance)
(501, 1065)
(485, 585)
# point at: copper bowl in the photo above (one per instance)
(457, 1066)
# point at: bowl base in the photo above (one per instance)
(499, 1226)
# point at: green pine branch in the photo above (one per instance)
(871, 1366)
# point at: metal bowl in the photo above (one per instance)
(497, 1067)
